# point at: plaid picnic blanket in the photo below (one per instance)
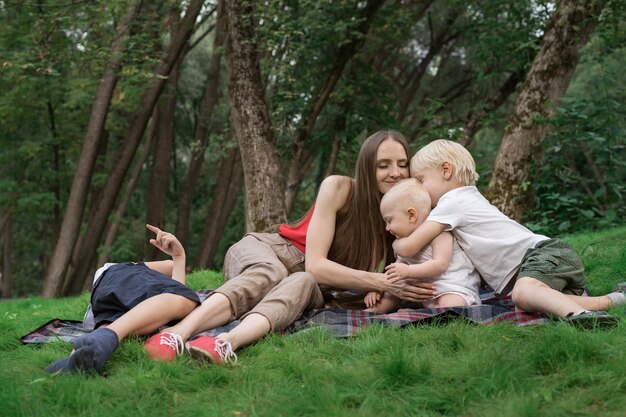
(340, 323)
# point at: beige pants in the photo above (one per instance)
(264, 274)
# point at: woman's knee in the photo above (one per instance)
(259, 272)
(248, 254)
(304, 286)
(301, 279)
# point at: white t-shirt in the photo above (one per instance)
(493, 242)
(460, 277)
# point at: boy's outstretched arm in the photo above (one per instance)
(412, 244)
(168, 244)
(442, 253)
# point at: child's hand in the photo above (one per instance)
(371, 299)
(166, 242)
(397, 271)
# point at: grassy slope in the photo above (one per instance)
(457, 369)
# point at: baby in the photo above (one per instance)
(404, 208)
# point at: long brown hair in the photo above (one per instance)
(361, 241)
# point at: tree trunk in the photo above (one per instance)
(156, 198)
(389, 57)
(6, 290)
(265, 204)
(70, 227)
(451, 94)
(545, 84)
(413, 83)
(332, 156)
(83, 257)
(201, 134)
(56, 188)
(224, 198)
(490, 105)
(300, 154)
(114, 225)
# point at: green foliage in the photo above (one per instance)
(579, 182)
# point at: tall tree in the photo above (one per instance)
(201, 132)
(264, 183)
(156, 198)
(70, 227)
(438, 41)
(490, 105)
(223, 200)
(114, 225)
(84, 256)
(301, 158)
(546, 82)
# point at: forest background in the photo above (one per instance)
(212, 118)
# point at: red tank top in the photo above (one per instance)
(296, 234)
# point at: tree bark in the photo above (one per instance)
(201, 134)
(546, 82)
(224, 197)
(346, 52)
(70, 226)
(264, 183)
(83, 257)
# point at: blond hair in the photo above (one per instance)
(442, 150)
(408, 193)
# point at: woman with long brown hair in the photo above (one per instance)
(271, 278)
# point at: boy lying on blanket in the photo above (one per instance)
(132, 299)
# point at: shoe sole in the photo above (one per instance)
(200, 354)
(621, 287)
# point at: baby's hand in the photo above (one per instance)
(166, 242)
(397, 271)
(371, 299)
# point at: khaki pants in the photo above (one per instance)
(264, 274)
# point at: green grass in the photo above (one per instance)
(452, 370)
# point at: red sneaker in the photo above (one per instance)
(164, 346)
(212, 349)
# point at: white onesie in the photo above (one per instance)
(460, 278)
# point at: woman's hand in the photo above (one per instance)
(412, 290)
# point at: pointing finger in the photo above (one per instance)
(153, 228)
